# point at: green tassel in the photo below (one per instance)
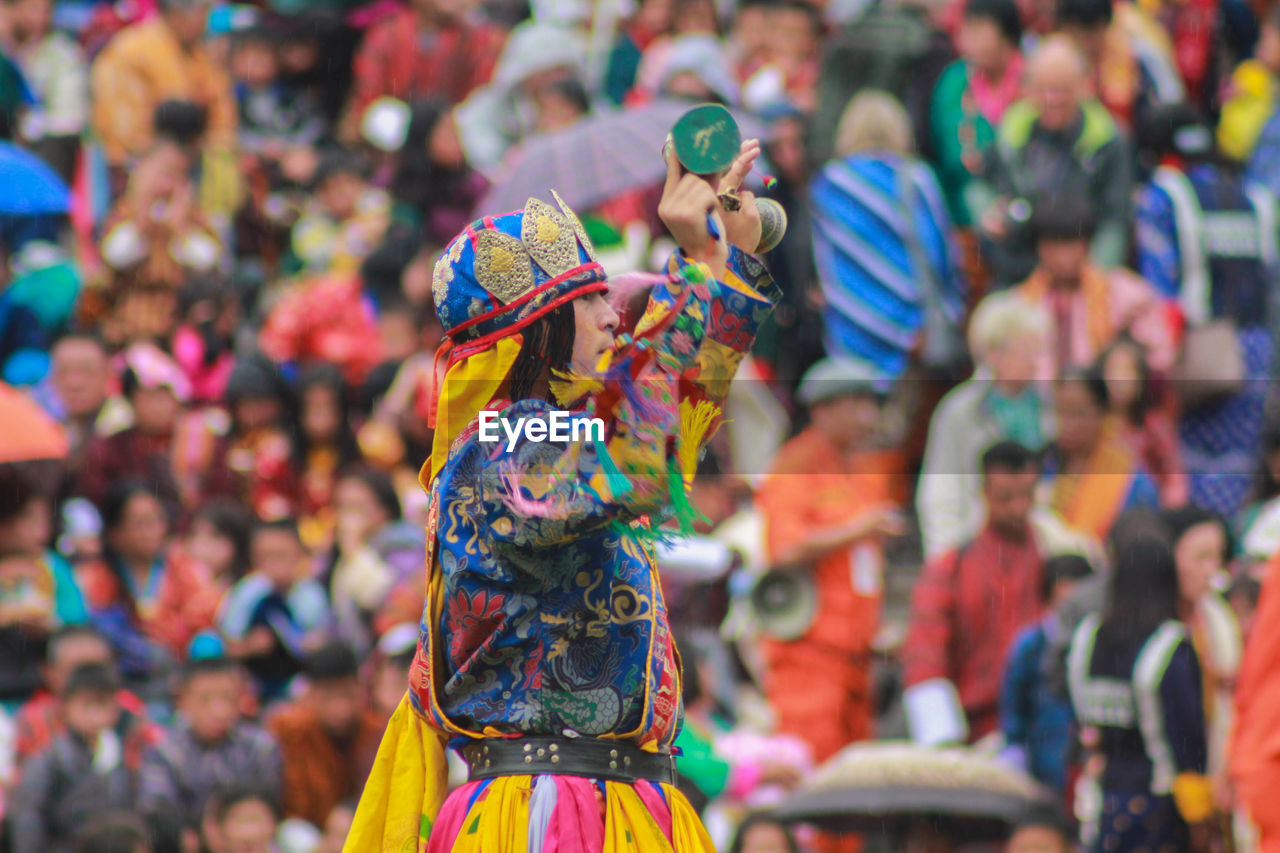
(618, 483)
(686, 514)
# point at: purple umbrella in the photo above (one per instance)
(596, 159)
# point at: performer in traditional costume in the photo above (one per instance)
(545, 655)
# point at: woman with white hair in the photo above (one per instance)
(884, 246)
(1003, 400)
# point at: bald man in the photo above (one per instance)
(1059, 136)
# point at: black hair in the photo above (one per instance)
(691, 679)
(378, 482)
(1145, 400)
(1180, 520)
(1133, 524)
(334, 661)
(1003, 13)
(1063, 567)
(92, 678)
(166, 828)
(547, 345)
(757, 819)
(1265, 486)
(1050, 816)
(17, 491)
(113, 832)
(573, 91)
(382, 271)
(325, 375)
(1143, 593)
(1008, 456)
(196, 667)
(232, 794)
(74, 632)
(1093, 382)
(233, 521)
(1090, 14)
(258, 35)
(1062, 217)
(420, 181)
(1177, 128)
(339, 161)
(183, 122)
(112, 510)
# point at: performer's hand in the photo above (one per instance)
(742, 227)
(687, 201)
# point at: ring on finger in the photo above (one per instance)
(730, 201)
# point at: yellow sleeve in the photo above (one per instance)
(1250, 104)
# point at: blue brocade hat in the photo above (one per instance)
(504, 272)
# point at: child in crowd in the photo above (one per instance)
(81, 775)
(43, 717)
(218, 539)
(327, 738)
(208, 745)
(273, 116)
(242, 817)
(203, 344)
(1036, 719)
(276, 612)
(345, 220)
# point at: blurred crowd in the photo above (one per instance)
(1003, 469)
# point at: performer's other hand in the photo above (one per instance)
(742, 227)
(687, 201)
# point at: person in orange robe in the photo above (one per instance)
(1254, 756)
(826, 504)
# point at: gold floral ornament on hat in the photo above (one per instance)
(503, 266)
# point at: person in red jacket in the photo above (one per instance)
(968, 606)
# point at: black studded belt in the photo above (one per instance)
(593, 758)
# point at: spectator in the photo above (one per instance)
(155, 389)
(242, 817)
(435, 188)
(1057, 137)
(79, 392)
(43, 717)
(327, 738)
(337, 827)
(1144, 422)
(1130, 58)
(274, 117)
(972, 96)
(114, 833)
(55, 67)
(148, 62)
(376, 558)
(1251, 95)
(952, 696)
(1092, 474)
(429, 48)
(276, 612)
(652, 19)
(38, 592)
(1254, 764)
(149, 600)
(1134, 677)
(81, 774)
(345, 220)
(1089, 305)
(218, 539)
(826, 504)
(1042, 829)
(254, 452)
(890, 280)
(1002, 400)
(154, 239)
(1035, 719)
(388, 666)
(202, 344)
(208, 746)
(1201, 547)
(324, 445)
(1212, 282)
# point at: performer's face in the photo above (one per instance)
(594, 324)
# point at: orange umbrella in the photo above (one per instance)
(26, 432)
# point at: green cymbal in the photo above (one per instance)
(706, 139)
